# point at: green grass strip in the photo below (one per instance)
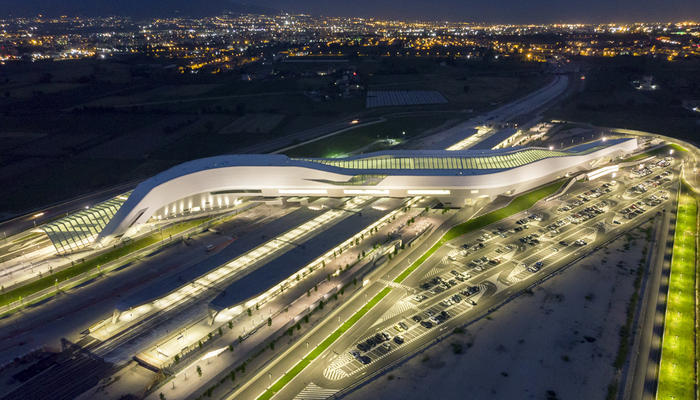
(520, 203)
(677, 370)
(656, 152)
(340, 145)
(296, 369)
(85, 266)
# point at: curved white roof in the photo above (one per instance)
(389, 173)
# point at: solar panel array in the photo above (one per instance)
(379, 98)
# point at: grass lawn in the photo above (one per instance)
(88, 265)
(656, 152)
(677, 370)
(344, 143)
(519, 204)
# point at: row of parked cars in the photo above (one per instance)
(649, 168)
(531, 239)
(381, 339)
(652, 183)
(529, 218)
(480, 264)
(586, 196)
(656, 199)
(535, 266)
(633, 210)
(433, 318)
(588, 213)
(438, 285)
(557, 224)
(373, 341)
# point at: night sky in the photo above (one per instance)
(510, 11)
(514, 11)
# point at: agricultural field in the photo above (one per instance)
(609, 99)
(61, 121)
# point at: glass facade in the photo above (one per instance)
(447, 162)
(80, 229)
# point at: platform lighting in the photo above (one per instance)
(214, 353)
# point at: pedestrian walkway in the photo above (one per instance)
(314, 392)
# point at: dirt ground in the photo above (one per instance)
(557, 343)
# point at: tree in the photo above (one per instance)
(162, 396)
(199, 371)
(269, 321)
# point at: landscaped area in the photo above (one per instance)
(661, 151)
(372, 137)
(677, 374)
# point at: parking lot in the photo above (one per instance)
(523, 248)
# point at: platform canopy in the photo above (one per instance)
(79, 230)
